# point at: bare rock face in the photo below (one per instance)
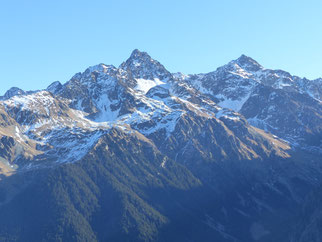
(14, 91)
(55, 87)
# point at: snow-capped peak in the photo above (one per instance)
(247, 63)
(136, 54)
(141, 66)
(137, 59)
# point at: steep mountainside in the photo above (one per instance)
(273, 100)
(136, 153)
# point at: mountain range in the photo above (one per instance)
(137, 153)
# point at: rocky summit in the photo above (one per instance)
(137, 153)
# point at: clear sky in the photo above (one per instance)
(46, 41)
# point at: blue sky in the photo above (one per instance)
(46, 41)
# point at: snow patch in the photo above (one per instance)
(235, 105)
(145, 85)
(106, 113)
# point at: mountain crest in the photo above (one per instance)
(247, 63)
(140, 65)
(136, 54)
(54, 87)
(137, 59)
(14, 91)
(100, 68)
